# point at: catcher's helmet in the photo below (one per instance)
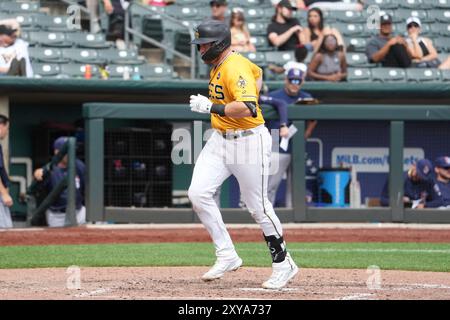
(215, 32)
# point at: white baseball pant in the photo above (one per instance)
(248, 159)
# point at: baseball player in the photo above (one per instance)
(5, 199)
(239, 130)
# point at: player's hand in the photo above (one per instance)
(39, 174)
(200, 104)
(7, 200)
(284, 132)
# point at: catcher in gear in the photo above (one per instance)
(234, 87)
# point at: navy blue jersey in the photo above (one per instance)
(281, 95)
(412, 189)
(57, 175)
(440, 195)
(3, 173)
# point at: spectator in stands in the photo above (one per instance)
(424, 54)
(312, 36)
(14, 57)
(329, 63)
(5, 199)
(240, 36)
(56, 214)
(281, 99)
(440, 195)
(300, 54)
(219, 10)
(116, 20)
(284, 31)
(418, 182)
(330, 5)
(92, 6)
(388, 50)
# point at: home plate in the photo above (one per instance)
(268, 290)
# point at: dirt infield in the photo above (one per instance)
(84, 235)
(184, 283)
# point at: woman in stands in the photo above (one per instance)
(329, 63)
(312, 36)
(14, 57)
(240, 36)
(424, 54)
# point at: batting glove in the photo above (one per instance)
(200, 104)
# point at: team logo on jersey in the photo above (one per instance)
(218, 76)
(241, 82)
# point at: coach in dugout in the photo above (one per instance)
(440, 195)
(418, 183)
(56, 214)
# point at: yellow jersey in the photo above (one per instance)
(235, 79)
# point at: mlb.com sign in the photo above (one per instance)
(372, 159)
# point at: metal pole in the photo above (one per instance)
(298, 173)
(396, 170)
(71, 187)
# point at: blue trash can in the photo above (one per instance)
(334, 187)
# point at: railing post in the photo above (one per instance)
(95, 166)
(298, 173)
(70, 219)
(396, 170)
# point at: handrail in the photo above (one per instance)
(129, 30)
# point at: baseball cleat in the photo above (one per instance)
(220, 267)
(281, 274)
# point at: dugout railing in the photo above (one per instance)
(95, 115)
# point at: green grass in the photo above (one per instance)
(395, 256)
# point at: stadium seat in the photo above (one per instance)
(258, 58)
(184, 13)
(357, 59)
(422, 75)
(88, 40)
(155, 71)
(83, 56)
(127, 57)
(49, 39)
(388, 75)
(46, 69)
(414, 4)
(279, 57)
(301, 15)
(445, 75)
(403, 14)
(439, 15)
(53, 23)
(442, 44)
(257, 28)
(359, 75)
(71, 70)
(355, 44)
(254, 14)
(443, 4)
(245, 3)
(261, 43)
(348, 16)
(12, 6)
(47, 55)
(384, 4)
(350, 29)
(440, 29)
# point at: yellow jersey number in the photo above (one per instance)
(216, 91)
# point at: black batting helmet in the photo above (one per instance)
(215, 32)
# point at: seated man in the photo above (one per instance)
(386, 49)
(56, 214)
(440, 195)
(418, 181)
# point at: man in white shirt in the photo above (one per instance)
(14, 58)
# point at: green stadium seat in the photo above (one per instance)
(301, 15)
(88, 40)
(279, 57)
(191, 3)
(355, 44)
(269, 75)
(155, 71)
(422, 75)
(442, 44)
(261, 43)
(254, 14)
(46, 69)
(402, 14)
(258, 58)
(71, 70)
(439, 15)
(83, 56)
(23, 7)
(245, 3)
(442, 4)
(350, 29)
(356, 59)
(126, 57)
(388, 75)
(347, 16)
(53, 23)
(47, 55)
(440, 29)
(184, 13)
(414, 4)
(270, 12)
(204, 12)
(359, 75)
(383, 4)
(49, 39)
(257, 28)
(445, 75)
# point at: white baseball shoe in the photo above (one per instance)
(281, 274)
(220, 267)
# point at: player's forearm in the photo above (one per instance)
(237, 109)
(3, 190)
